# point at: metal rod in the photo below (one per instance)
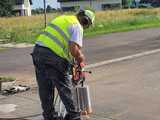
(45, 15)
(90, 3)
(0, 86)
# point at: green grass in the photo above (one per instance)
(7, 79)
(2, 49)
(26, 29)
(125, 25)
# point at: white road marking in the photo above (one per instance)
(7, 108)
(122, 59)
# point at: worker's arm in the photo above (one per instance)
(76, 52)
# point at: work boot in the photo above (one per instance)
(73, 116)
(46, 117)
(52, 116)
(66, 117)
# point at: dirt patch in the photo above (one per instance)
(22, 78)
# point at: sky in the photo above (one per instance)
(39, 3)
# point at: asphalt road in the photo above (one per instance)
(15, 61)
(117, 45)
(126, 90)
(96, 49)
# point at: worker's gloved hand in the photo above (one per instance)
(78, 73)
(82, 65)
(82, 73)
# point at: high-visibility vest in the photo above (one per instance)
(56, 35)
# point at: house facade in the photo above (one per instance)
(95, 4)
(22, 7)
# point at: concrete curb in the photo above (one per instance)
(15, 45)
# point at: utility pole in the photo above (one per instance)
(45, 15)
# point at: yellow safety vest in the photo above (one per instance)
(56, 35)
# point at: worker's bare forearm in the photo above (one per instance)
(80, 57)
(76, 52)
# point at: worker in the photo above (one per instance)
(54, 50)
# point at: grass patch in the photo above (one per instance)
(26, 29)
(2, 49)
(7, 79)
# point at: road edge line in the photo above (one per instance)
(98, 64)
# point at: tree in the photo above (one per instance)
(6, 8)
(49, 9)
(124, 3)
(130, 2)
(38, 11)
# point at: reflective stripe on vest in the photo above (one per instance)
(49, 43)
(52, 37)
(59, 30)
(56, 36)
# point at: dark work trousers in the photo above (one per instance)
(53, 71)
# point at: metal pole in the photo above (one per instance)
(90, 3)
(45, 16)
